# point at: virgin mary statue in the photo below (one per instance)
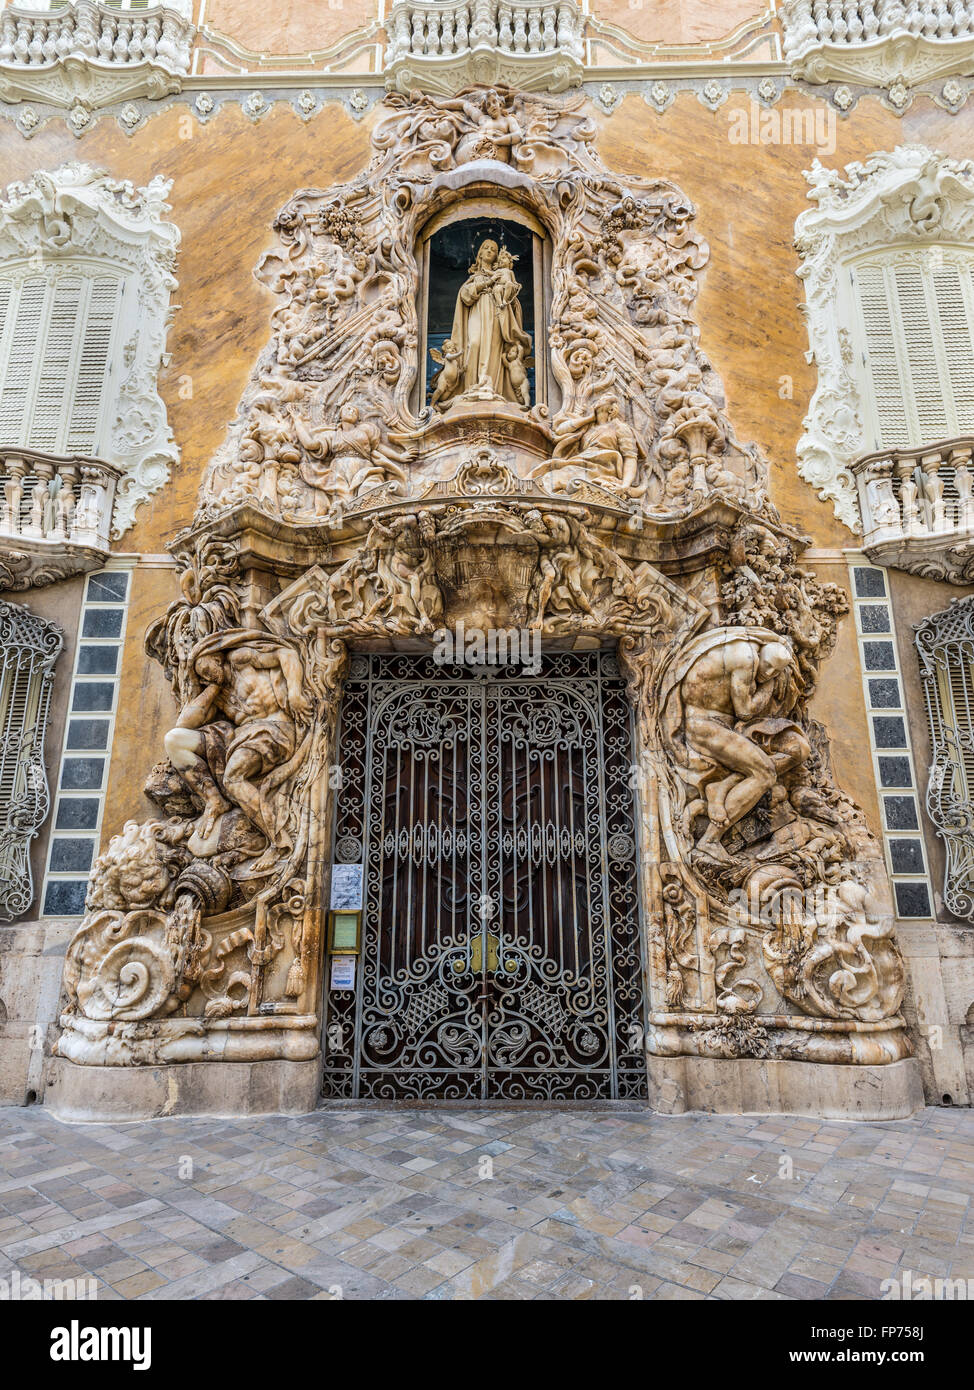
(487, 328)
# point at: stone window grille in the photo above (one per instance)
(945, 643)
(29, 648)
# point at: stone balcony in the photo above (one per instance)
(92, 54)
(918, 509)
(55, 516)
(878, 43)
(442, 46)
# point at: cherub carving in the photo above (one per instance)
(447, 379)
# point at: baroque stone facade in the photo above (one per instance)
(612, 506)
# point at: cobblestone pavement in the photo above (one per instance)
(487, 1204)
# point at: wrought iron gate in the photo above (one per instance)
(500, 954)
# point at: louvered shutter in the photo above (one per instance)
(881, 359)
(55, 359)
(93, 367)
(916, 320)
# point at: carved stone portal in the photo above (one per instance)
(343, 513)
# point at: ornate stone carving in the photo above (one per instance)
(879, 43)
(910, 196)
(88, 55)
(442, 48)
(76, 216)
(343, 511)
(641, 410)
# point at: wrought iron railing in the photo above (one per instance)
(945, 644)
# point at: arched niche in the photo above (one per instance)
(446, 248)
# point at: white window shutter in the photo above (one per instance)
(56, 347)
(916, 322)
(882, 363)
(93, 366)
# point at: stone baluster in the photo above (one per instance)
(39, 523)
(534, 30)
(960, 460)
(22, 41)
(13, 491)
(447, 22)
(881, 514)
(520, 41)
(401, 30)
(933, 490)
(549, 37)
(909, 495)
(106, 38)
(64, 519)
(417, 41)
(463, 29)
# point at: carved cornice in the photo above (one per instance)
(79, 211)
(910, 196)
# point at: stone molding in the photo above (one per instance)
(910, 197)
(79, 211)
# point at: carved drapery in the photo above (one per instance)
(336, 516)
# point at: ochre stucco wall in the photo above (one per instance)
(231, 175)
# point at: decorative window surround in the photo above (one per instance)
(86, 754)
(918, 509)
(889, 741)
(66, 226)
(909, 198)
(945, 644)
(90, 55)
(29, 649)
(879, 43)
(442, 46)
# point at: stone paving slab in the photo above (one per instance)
(471, 1204)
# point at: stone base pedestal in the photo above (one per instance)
(85, 1094)
(750, 1086)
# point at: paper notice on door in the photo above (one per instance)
(342, 972)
